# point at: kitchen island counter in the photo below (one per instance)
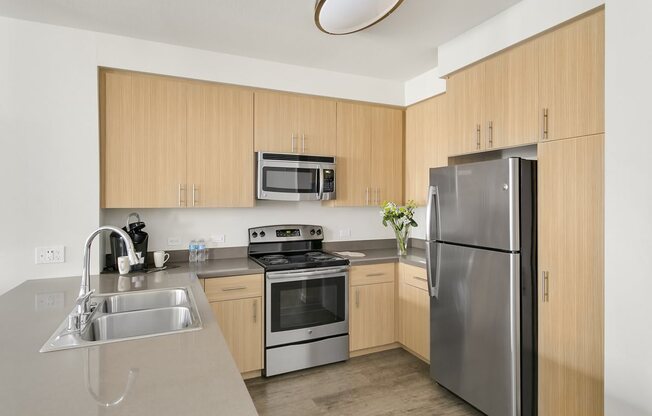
(190, 373)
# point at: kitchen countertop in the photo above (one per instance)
(415, 257)
(191, 373)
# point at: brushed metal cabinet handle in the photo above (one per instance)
(357, 297)
(375, 274)
(229, 289)
(366, 198)
(545, 287)
(194, 192)
(255, 310)
(477, 134)
(420, 278)
(545, 124)
(491, 134)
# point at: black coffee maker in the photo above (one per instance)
(138, 236)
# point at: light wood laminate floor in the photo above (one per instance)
(386, 383)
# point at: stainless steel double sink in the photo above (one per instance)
(123, 316)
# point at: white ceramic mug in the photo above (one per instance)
(160, 258)
(123, 265)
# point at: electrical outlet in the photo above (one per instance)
(219, 238)
(345, 233)
(50, 254)
(173, 241)
(45, 301)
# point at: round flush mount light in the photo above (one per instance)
(341, 17)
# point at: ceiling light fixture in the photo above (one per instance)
(341, 17)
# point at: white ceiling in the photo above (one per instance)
(400, 47)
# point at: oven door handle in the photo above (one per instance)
(285, 274)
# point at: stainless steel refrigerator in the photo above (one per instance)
(481, 259)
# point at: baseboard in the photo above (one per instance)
(372, 350)
(424, 359)
(251, 374)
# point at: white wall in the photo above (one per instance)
(49, 132)
(424, 86)
(188, 224)
(49, 159)
(628, 209)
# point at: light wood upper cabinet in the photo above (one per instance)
(371, 315)
(369, 155)
(571, 78)
(511, 114)
(386, 155)
(466, 89)
(143, 140)
(414, 310)
(290, 123)
(571, 276)
(426, 144)
(220, 146)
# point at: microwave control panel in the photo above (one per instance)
(329, 180)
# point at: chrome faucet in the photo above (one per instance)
(83, 308)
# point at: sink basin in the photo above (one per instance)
(124, 316)
(149, 299)
(138, 323)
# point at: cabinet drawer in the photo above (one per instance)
(372, 273)
(413, 276)
(234, 287)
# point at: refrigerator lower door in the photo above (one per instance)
(475, 328)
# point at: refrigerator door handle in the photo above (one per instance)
(433, 261)
(432, 209)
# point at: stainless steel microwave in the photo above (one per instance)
(294, 177)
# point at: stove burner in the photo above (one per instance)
(277, 261)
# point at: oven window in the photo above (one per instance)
(307, 303)
(294, 180)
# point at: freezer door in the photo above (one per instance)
(475, 204)
(475, 328)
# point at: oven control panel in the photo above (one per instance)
(280, 233)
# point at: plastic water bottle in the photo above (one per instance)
(192, 251)
(201, 250)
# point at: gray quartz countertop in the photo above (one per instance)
(415, 257)
(191, 373)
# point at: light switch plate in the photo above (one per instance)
(173, 241)
(219, 238)
(45, 301)
(345, 233)
(50, 254)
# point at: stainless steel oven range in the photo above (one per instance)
(306, 298)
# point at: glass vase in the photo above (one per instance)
(402, 240)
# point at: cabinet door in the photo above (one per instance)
(143, 140)
(353, 158)
(414, 319)
(571, 306)
(386, 155)
(317, 126)
(571, 85)
(241, 323)
(467, 95)
(220, 146)
(276, 126)
(371, 316)
(426, 144)
(511, 105)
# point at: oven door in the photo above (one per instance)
(303, 305)
(289, 181)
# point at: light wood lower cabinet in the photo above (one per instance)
(371, 306)
(571, 276)
(414, 310)
(237, 303)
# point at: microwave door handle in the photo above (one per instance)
(432, 214)
(321, 183)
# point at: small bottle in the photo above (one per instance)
(192, 251)
(201, 250)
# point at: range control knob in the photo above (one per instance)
(319, 231)
(312, 232)
(262, 234)
(254, 234)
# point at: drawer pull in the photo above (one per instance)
(420, 278)
(375, 274)
(228, 289)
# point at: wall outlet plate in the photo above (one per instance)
(45, 301)
(50, 254)
(345, 233)
(218, 238)
(173, 241)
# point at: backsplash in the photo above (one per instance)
(183, 225)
